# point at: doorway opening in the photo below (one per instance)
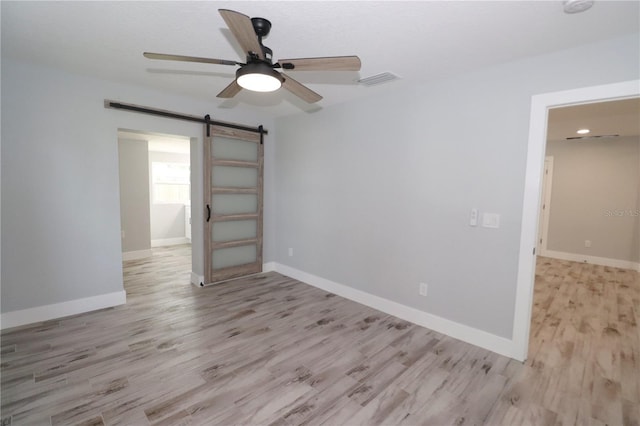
(587, 256)
(540, 107)
(592, 213)
(155, 195)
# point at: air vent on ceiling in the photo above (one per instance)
(573, 138)
(381, 78)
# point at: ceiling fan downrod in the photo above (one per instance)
(262, 27)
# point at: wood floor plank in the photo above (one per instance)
(318, 404)
(268, 349)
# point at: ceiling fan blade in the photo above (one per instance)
(182, 58)
(329, 63)
(230, 91)
(242, 29)
(300, 90)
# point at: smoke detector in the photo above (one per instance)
(577, 6)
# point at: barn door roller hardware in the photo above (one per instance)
(178, 116)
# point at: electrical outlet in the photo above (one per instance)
(423, 289)
(290, 251)
(587, 243)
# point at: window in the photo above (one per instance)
(170, 182)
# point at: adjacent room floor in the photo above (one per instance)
(271, 350)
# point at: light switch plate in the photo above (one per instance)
(473, 217)
(491, 220)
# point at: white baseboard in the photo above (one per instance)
(474, 336)
(603, 261)
(197, 280)
(63, 309)
(170, 242)
(137, 254)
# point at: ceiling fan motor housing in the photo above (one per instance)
(262, 26)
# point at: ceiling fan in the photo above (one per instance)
(259, 72)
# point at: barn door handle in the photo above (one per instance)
(208, 212)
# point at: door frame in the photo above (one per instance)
(545, 208)
(540, 105)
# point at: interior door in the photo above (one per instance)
(233, 186)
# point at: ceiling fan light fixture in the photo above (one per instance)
(259, 77)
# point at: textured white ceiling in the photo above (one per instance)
(418, 41)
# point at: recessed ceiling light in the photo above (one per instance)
(583, 131)
(577, 6)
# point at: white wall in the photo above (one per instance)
(595, 197)
(60, 196)
(167, 221)
(133, 157)
(376, 194)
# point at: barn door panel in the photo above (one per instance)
(233, 201)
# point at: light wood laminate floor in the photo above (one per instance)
(271, 350)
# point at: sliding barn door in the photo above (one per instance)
(233, 203)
